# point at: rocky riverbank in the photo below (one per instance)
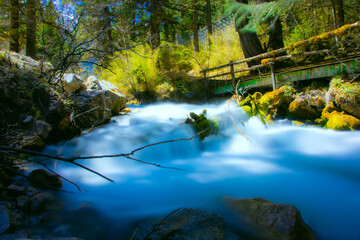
(36, 111)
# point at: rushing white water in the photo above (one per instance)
(314, 169)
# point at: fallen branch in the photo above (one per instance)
(14, 152)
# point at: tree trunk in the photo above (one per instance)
(14, 26)
(250, 43)
(208, 19)
(155, 24)
(338, 12)
(108, 41)
(195, 27)
(31, 28)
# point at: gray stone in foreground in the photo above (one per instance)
(270, 221)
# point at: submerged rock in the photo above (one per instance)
(266, 220)
(188, 223)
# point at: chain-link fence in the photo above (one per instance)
(218, 26)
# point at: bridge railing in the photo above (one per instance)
(268, 59)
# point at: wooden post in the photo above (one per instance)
(273, 76)
(232, 76)
(205, 85)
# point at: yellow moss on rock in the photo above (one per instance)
(265, 61)
(298, 123)
(340, 121)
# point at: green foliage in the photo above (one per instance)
(174, 60)
(256, 14)
(345, 90)
(225, 47)
(134, 71)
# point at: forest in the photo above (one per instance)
(179, 119)
(158, 47)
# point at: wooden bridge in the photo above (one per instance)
(227, 77)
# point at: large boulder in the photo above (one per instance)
(188, 223)
(15, 60)
(345, 95)
(266, 220)
(91, 108)
(97, 103)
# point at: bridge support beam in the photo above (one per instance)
(273, 76)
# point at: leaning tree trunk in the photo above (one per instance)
(31, 28)
(14, 26)
(250, 43)
(275, 34)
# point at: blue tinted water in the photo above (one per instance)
(314, 169)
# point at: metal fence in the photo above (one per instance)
(218, 26)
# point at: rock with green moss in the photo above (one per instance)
(271, 105)
(345, 95)
(203, 125)
(341, 121)
(333, 118)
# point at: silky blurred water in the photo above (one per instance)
(316, 170)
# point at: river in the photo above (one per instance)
(314, 169)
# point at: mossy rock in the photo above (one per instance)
(204, 125)
(346, 95)
(269, 106)
(298, 123)
(342, 122)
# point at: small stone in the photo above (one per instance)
(63, 230)
(28, 119)
(23, 202)
(31, 191)
(19, 235)
(15, 190)
(37, 201)
(49, 180)
(41, 129)
(33, 143)
(4, 220)
(5, 179)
